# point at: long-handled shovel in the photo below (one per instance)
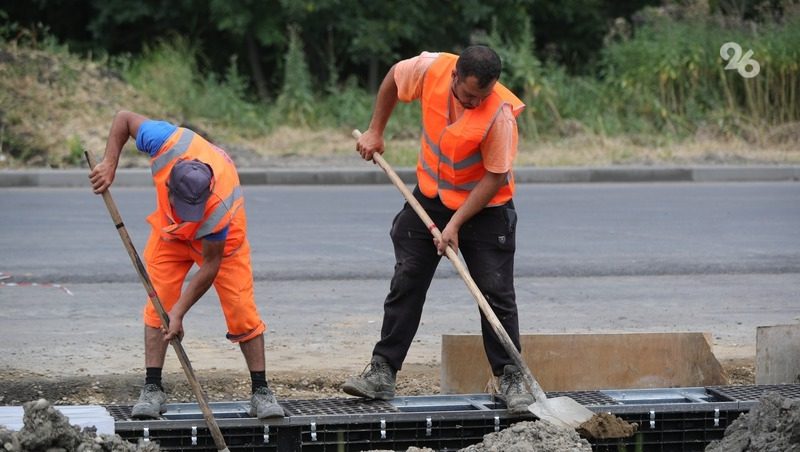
(561, 411)
(219, 441)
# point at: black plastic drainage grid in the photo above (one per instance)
(669, 420)
(674, 432)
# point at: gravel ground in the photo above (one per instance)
(17, 387)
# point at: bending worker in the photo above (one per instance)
(465, 183)
(199, 219)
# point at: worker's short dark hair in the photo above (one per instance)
(196, 129)
(480, 62)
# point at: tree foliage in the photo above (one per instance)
(339, 37)
(598, 65)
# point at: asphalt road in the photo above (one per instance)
(716, 257)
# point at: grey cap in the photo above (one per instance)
(190, 187)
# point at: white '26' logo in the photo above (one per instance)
(739, 62)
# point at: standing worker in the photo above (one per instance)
(199, 219)
(465, 183)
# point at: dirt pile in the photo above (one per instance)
(606, 425)
(46, 429)
(531, 437)
(772, 425)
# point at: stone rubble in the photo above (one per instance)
(772, 425)
(45, 429)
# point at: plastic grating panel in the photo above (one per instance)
(670, 432)
(238, 439)
(752, 393)
(321, 407)
(119, 412)
(585, 398)
(332, 407)
(441, 435)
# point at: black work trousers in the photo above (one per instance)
(487, 244)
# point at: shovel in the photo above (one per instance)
(213, 428)
(560, 411)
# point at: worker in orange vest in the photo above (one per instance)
(465, 183)
(199, 219)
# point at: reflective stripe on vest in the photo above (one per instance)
(461, 164)
(180, 148)
(219, 212)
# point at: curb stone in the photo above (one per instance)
(370, 176)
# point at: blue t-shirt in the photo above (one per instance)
(149, 139)
(152, 135)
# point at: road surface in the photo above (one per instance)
(717, 257)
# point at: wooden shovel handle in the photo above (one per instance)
(454, 258)
(219, 441)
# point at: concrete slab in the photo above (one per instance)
(570, 362)
(778, 354)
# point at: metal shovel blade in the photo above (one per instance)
(561, 411)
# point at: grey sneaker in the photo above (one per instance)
(513, 392)
(377, 381)
(263, 404)
(150, 404)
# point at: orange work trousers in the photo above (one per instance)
(169, 261)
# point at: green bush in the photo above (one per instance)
(295, 103)
(664, 82)
(169, 73)
(672, 75)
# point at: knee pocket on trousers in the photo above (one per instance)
(411, 269)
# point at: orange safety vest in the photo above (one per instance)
(225, 206)
(450, 162)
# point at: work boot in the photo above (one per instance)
(377, 381)
(263, 404)
(512, 390)
(151, 403)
